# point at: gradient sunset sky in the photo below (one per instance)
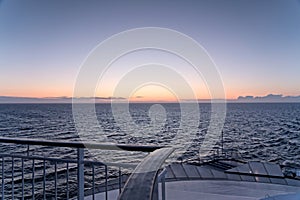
(255, 44)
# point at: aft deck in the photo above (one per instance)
(219, 189)
(230, 180)
(225, 179)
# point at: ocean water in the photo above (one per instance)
(257, 131)
(267, 131)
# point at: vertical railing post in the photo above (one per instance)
(163, 187)
(44, 179)
(106, 182)
(12, 178)
(155, 190)
(55, 180)
(222, 142)
(120, 180)
(3, 181)
(23, 179)
(33, 177)
(67, 180)
(80, 173)
(27, 149)
(93, 176)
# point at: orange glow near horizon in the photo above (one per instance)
(153, 93)
(145, 94)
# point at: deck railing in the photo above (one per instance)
(15, 165)
(143, 182)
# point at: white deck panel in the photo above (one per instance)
(225, 190)
(191, 171)
(257, 168)
(273, 169)
(219, 189)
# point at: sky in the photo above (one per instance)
(254, 44)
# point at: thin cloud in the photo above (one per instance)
(139, 97)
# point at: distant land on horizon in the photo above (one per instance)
(270, 98)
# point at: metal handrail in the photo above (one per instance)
(142, 184)
(78, 144)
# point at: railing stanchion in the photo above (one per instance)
(80, 173)
(106, 183)
(55, 183)
(44, 179)
(2, 178)
(22, 178)
(120, 180)
(67, 180)
(93, 174)
(155, 190)
(33, 169)
(12, 178)
(163, 188)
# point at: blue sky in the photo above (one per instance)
(255, 44)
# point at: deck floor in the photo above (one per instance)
(225, 190)
(213, 171)
(217, 189)
(228, 180)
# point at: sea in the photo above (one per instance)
(255, 131)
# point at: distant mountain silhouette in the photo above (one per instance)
(268, 98)
(245, 99)
(11, 99)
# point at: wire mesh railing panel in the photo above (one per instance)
(33, 177)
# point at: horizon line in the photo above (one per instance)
(64, 99)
